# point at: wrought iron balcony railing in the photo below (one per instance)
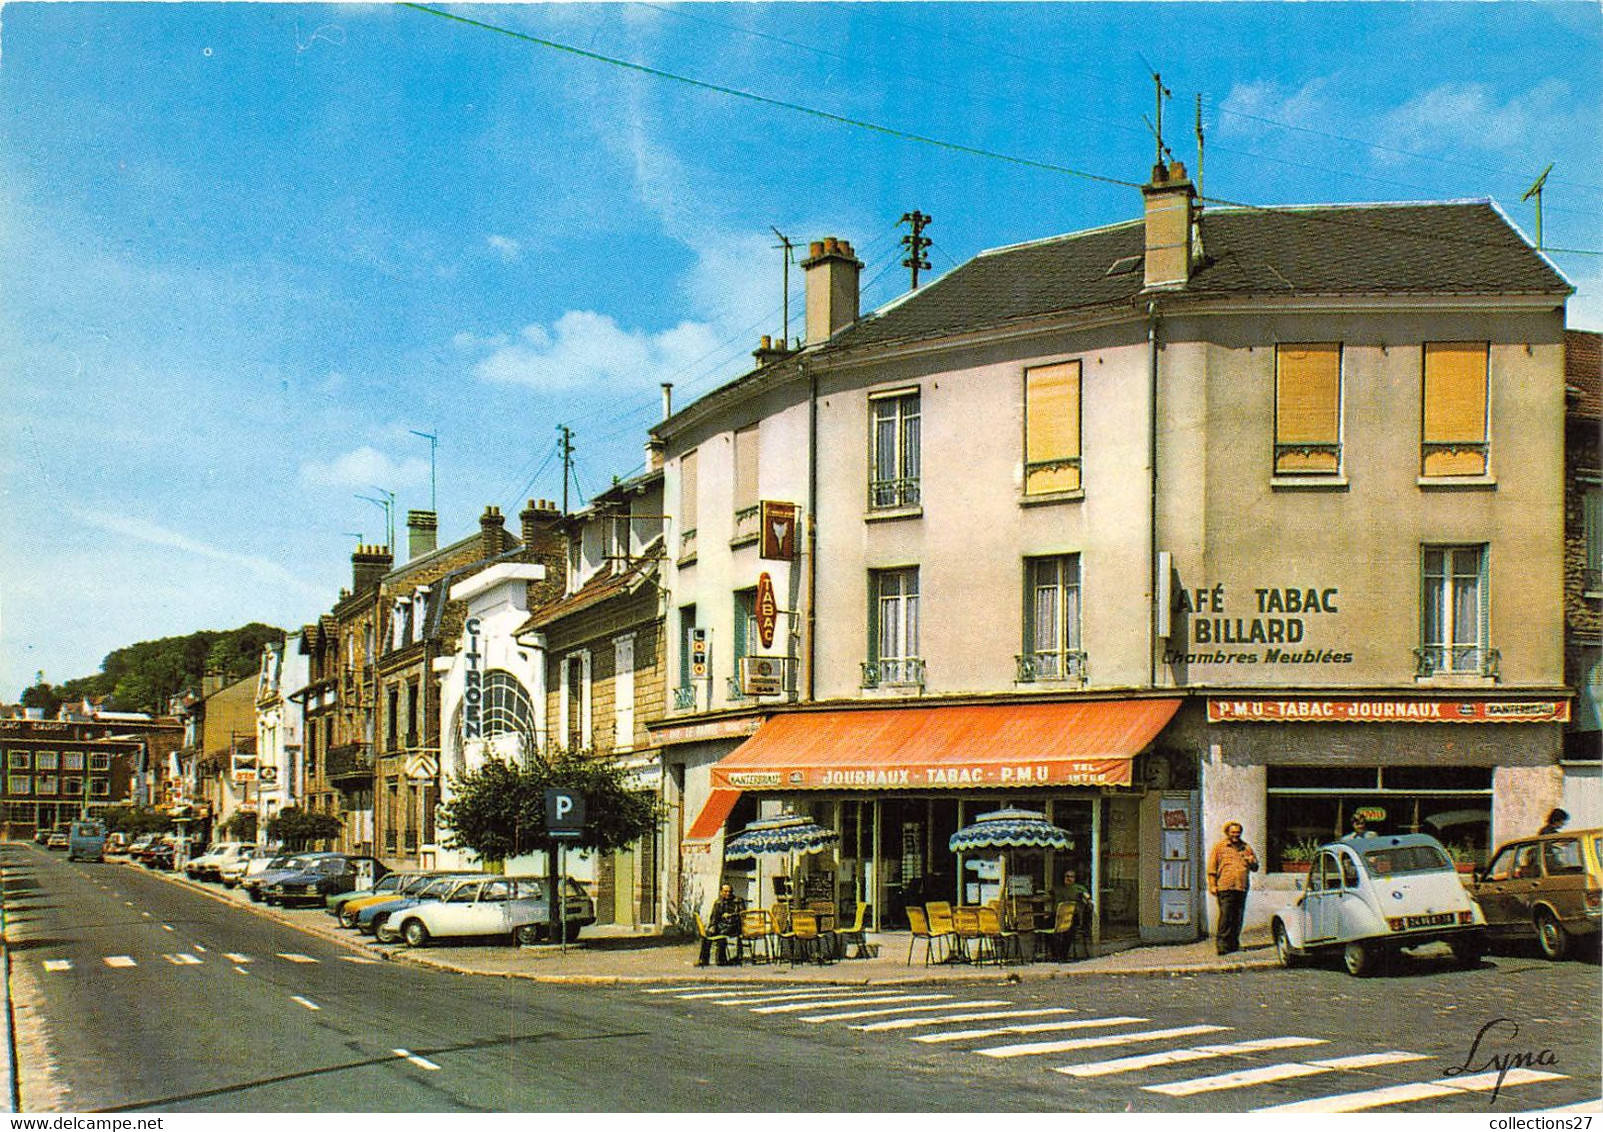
(902, 672)
(1456, 660)
(350, 760)
(885, 494)
(1037, 667)
(684, 697)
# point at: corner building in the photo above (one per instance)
(1250, 514)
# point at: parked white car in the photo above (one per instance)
(1368, 898)
(236, 869)
(204, 867)
(511, 908)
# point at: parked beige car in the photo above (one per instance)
(1549, 887)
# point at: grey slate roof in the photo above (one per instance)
(1455, 248)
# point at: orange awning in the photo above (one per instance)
(1085, 743)
(713, 815)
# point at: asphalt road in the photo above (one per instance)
(132, 993)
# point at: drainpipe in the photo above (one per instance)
(1152, 493)
(812, 525)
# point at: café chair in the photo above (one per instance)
(968, 944)
(853, 934)
(756, 935)
(1068, 929)
(942, 926)
(920, 925)
(720, 943)
(993, 936)
(784, 936)
(810, 942)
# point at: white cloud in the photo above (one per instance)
(1247, 103)
(144, 531)
(506, 247)
(364, 468)
(470, 343)
(1459, 116)
(586, 349)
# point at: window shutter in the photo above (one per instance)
(1052, 428)
(745, 468)
(1455, 408)
(1308, 407)
(687, 491)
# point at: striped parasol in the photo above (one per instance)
(1009, 829)
(779, 836)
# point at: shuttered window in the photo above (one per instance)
(687, 505)
(1454, 432)
(1308, 409)
(746, 467)
(1052, 428)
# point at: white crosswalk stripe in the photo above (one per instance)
(296, 957)
(1031, 1049)
(1284, 1071)
(884, 1011)
(416, 1059)
(236, 957)
(120, 961)
(864, 1000)
(982, 1016)
(1418, 1091)
(182, 959)
(1028, 1028)
(357, 959)
(1176, 1056)
(730, 997)
(58, 965)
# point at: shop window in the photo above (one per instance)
(1051, 620)
(894, 450)
(1308, 409)
(1457, 811)
(1453, 441)
(1052, 428)
(1453, 614)
(893, 630)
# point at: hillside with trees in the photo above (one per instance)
(144, 676)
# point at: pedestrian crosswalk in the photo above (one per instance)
(1151, 1057)
(197, 957)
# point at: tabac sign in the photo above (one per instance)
(1318, 709)
(767, 610)
(902, 776)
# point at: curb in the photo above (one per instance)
(1001, 977)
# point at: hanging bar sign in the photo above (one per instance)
(767, 610)
(778, 543)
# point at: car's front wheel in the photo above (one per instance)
(1551, 936)
(1288, 955)
(528, 935)
(1361, 957)
(348, 917)
(415, 934)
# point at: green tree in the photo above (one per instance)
(240, 827)
(498, 810)
(297, 828)
(134, 820)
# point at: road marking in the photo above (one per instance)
(58, 964)
(145, 914)
(357, 959)
(753, 995)
(885, 1010)
(983, 1016)
(130, 903)
(200, 949)
(168, 928)
(235, 957)
(296, 957)
(420, 1062)
(1174, 1056)
(1030, 1028)
(306, 1002)
(1582, 1106)
(182, 959)
(1284, 1071)
(695, 987)
(1027, 1049)
(242, 970)
(1422, 1090)
(869, 1000)
(120, 961)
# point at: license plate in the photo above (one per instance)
(1431, 921)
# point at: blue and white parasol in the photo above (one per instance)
(1009, 829)
(780, 836)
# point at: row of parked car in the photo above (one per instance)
(409, 906)
(1367, 898)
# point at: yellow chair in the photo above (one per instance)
(992, 935)
(966, 934)
(920, 925)
(784, 937)
(853, 933)
(756, 934)
(710, 940)
(1068, 929)
(809, 941)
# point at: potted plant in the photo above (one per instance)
(1298, 857)
(1462, 856)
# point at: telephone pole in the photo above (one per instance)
(1536, 191)
(565, 446)
(915, 242)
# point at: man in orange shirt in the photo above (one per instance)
(1229, 866)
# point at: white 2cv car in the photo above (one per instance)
(511, 908)
(1368, 898)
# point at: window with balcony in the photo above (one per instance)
(1308, 409)
(1453, 619)
(1051, 620)
(893, 630)
(1052, 428)
(1454, 436)
(893, 465)
(746, 501)
(684, 696)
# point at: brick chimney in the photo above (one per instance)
(769, 351)
(1170, 203)
(422, 531)
(831, 271)
(492, 533)
(368, 565)
(539, 521)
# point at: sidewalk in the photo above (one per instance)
(607, 954)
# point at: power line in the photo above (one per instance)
(781, 104)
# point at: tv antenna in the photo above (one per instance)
(388, 503)
(434, 442)
(1160, 92)
(784, 242)
(1536, 191)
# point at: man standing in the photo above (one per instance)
(1229, 866)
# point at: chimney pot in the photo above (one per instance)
(1170, 203)
(815, 249)
(832, 274)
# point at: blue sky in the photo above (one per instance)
(248, 248)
